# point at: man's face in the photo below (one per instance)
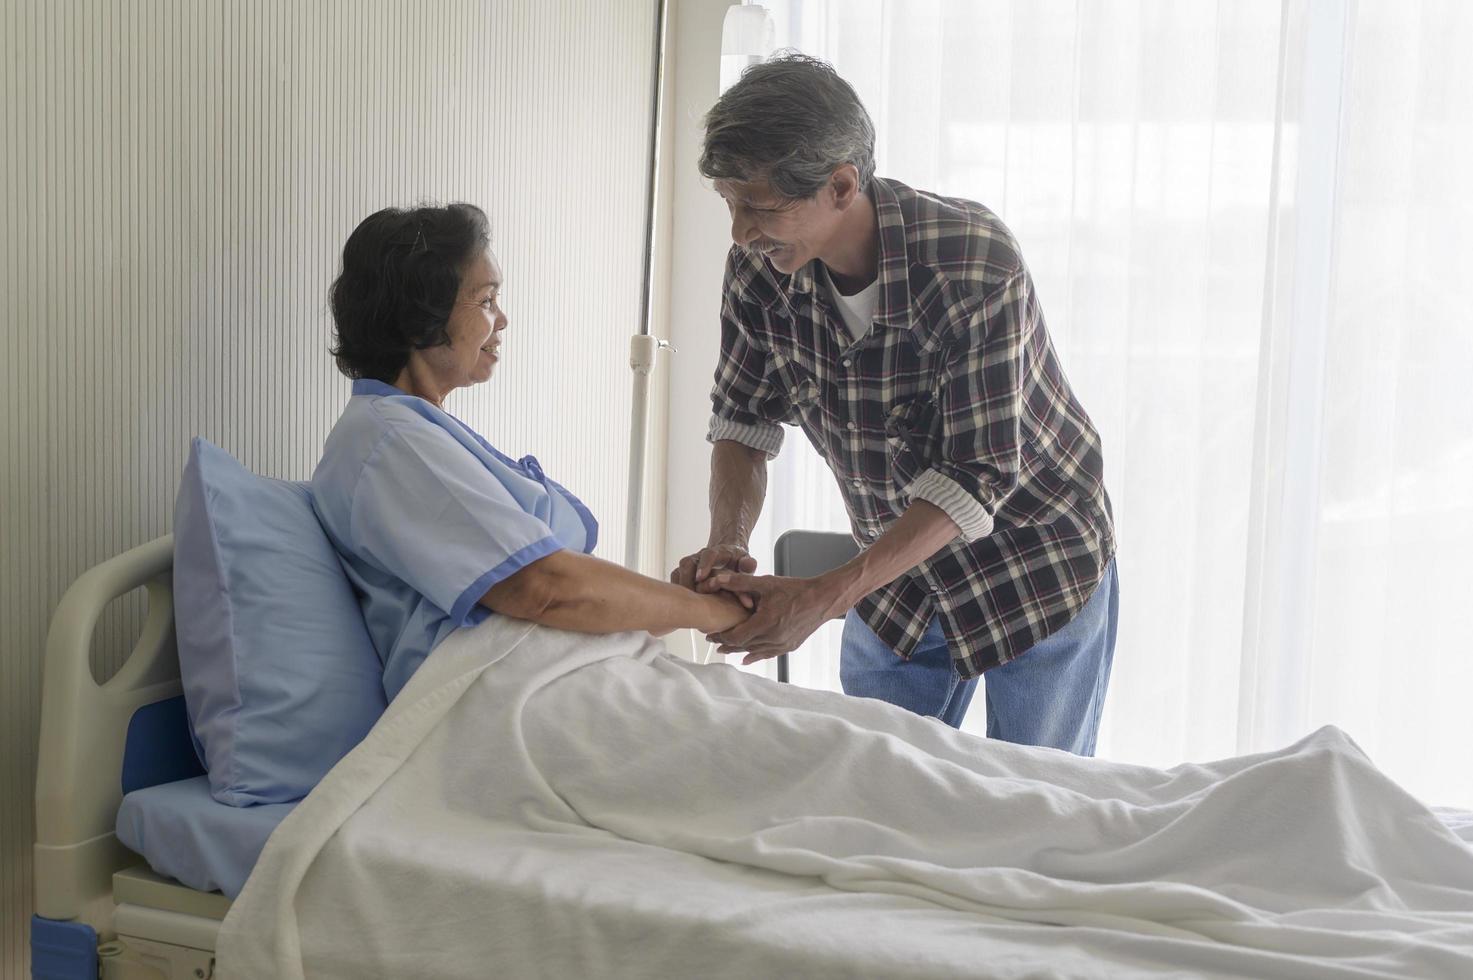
(787, 233)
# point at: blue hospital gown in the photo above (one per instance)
(427, 516)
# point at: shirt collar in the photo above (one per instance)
(892, 307)
(373, 386)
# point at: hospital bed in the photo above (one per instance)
(99, 907)
(100, 910)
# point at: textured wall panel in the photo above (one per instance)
(178, 180)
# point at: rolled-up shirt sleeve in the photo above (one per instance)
(426, 511)
(749, 402)
(981, 409)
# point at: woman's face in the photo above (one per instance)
(475, 326)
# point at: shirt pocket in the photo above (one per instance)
(912, 437)
(799, 388)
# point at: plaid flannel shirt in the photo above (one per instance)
(956, 397)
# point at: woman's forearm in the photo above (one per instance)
(578, 592)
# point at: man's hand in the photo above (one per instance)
(789, 610)
(696, 569)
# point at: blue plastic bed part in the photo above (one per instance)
(159, 749)
(62, 950)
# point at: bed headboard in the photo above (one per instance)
(89, 729)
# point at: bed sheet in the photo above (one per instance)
(186, 834)
(586, 805)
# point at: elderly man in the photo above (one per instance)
(900, 330)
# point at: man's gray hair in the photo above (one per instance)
(791, 120)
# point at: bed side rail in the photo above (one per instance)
(84, 727)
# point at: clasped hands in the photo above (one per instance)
(784, 611)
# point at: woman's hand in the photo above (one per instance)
(722, 608)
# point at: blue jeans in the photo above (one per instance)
(1051, 695)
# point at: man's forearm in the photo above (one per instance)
(738, 488)
(922, 530)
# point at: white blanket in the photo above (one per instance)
(541, 803)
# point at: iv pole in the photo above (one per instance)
(746, 38)
(643, 346)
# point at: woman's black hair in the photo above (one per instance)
(401, 275)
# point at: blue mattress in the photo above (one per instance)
(186, 834)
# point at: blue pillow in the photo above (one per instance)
(280, 676)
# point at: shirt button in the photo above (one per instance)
(847, 362)
(850, 426)
(793, 392)
(871, 532)
(857, 484)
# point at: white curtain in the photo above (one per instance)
(1250, 227)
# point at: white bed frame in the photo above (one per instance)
(146, 926)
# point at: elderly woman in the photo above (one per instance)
(437, 528)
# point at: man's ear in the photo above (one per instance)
(844, 184)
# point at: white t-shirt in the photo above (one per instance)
(858, 310)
